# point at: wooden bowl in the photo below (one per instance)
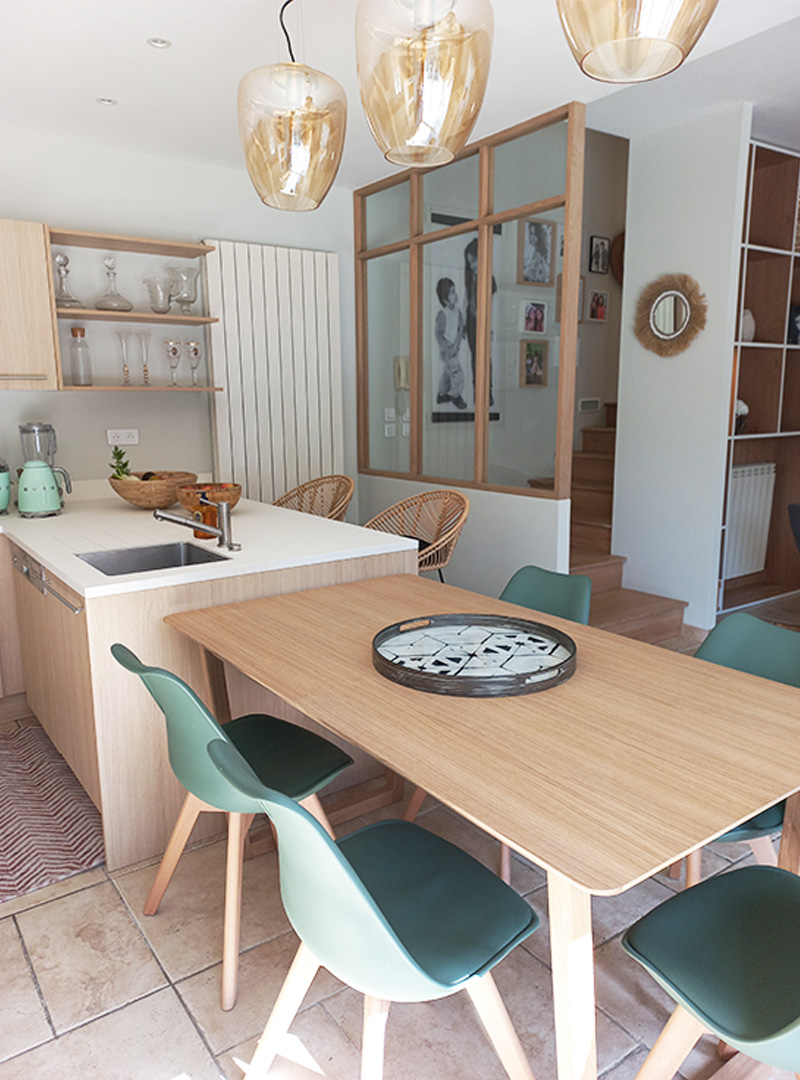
(189, 495)
(155, 494)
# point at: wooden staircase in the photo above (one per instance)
(621, 611)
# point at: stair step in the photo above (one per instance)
(604, 570)
(592, 503)
(637, 615)
(588, 467)
(599, 440)
(594, 535)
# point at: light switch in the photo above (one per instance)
(390, 430)
(406, 430)
(389, 415)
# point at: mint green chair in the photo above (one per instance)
(567, 596)
(392, 910)
(728, 952)
(289, 758)
(743, 642)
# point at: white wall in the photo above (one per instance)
(685, 205)
(71, 185)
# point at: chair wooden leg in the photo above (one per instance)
(694, 868)
(494, 1016)
(238, 824)
(505, 863)
(670, 1049)
(414, 804)
(314, 807)
(675, 870)
(190, 811)
(376, 1013)
(295, 987)
(764, 850)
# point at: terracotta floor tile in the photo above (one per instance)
(23, 1022)
(186, 932)
(150, 1039)
(87, 955)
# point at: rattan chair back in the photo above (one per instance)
(435, 517)
(327, 496)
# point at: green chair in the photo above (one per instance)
(728, 952)
(749, 644)
(394, 911)
(295, 761)
(567, 596)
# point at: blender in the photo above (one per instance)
(39, 494)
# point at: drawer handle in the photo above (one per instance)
(47, 589)
(24, 376)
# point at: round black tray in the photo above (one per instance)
(473, 655)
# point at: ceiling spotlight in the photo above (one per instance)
(158, 42)
(106, 101)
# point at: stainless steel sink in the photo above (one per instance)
(157, 557)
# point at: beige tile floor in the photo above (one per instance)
(93, 989)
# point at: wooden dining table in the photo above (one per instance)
(640, 758)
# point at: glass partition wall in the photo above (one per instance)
(467, 280)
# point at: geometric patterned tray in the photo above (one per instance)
(474, 655)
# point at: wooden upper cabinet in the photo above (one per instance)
(28, 336)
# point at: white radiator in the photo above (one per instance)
(277, 357)
(749, 511)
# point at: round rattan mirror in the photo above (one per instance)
(670, 314)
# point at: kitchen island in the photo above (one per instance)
(99, 717)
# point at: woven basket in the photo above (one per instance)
(188, 495)
(155, 494)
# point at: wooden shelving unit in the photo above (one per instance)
(767, 369)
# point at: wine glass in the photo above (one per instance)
(144, 344)
(124, 343)
(173, 358)
(195, 356)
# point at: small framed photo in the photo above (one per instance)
(536, 254)
(533, 363)
(598, 306)
(533, 317)
(793, 332)
(580, 298)
(599, 254)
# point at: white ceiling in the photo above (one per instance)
(58, 56)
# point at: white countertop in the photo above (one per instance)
(271, 539)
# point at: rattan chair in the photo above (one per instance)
(434, 518)
(327, 496)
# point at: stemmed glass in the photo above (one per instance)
(195, 356)
(124, 342)
(173, 358)
(144, 344)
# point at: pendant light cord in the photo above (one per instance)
(286, 32)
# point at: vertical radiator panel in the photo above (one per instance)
(749, 512)
(277, 357)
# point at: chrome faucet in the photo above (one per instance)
(223, 517)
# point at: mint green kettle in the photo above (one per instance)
(38, 493)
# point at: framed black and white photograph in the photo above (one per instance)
(533, 317)
(536, 252)
(598, 306)
(533, 363)
(599, 254)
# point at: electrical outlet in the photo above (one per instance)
(406, 430)
(122, 436)
(389, 430)
(389, 415)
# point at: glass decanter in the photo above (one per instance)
(64, 297)
(111, 299)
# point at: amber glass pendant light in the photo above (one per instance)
(422, 72)
(292, 122)
(631, 41)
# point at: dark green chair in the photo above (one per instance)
(567, 596)
(394, 911)
(289, 758)
(743, 642)
(728, 952)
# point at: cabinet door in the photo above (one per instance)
(28, 338)
(55, 665)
